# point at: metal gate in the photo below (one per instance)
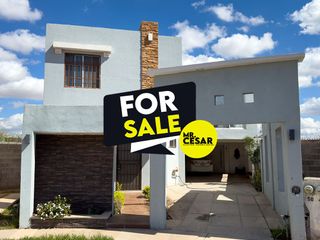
(128, 168)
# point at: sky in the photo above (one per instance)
(210, 31)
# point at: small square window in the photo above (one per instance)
(248, 98)
(173, 143)
(218, 100)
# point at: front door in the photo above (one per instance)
(128, 168)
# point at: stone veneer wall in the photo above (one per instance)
(10, 161)
(311, 158)
(149, 52)
(75, 166)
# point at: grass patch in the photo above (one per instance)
(9, 218)
(68, 237)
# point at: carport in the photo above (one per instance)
(272, 85)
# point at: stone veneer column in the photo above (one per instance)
(149, 52)
(149, 59)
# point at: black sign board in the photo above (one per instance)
(148, 114)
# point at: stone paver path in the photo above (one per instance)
(227, 209)
(135, 212)
(7, 200)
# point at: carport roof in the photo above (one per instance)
(226, 64)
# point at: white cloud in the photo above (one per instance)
(28, 87)
(11, 71)
(6, 55)
(22, 41)
(225, 13)
(1, 108)
(198, 4)
(309, 69)
(18, 10)
(228, 14)
(244, 29)
(308, 17)
(242, 45)
(18, 104)
(188, 59)
(311, 107)
(16, 80)
(12, 124)
(310, 127)
(194, 37)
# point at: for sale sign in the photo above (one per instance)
(148, 116)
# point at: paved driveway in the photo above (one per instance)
(226, 208)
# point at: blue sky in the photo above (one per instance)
(210, 31)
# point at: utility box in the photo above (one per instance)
(311, 191)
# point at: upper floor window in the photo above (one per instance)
(218, 100)
(82, 71)
(248, 97)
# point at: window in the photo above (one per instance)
(218, 100)
(248, 98)
(82, 71)
(173, 143)
(231, 126)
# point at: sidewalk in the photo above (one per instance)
(125, 234)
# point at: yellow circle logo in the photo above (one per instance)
(198, 139)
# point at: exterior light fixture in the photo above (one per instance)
(150, 37)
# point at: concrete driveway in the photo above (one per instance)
(228, 207)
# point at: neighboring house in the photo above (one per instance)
(260, 90)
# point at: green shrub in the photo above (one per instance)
(146, 192)
(118, 186)
(279, 234)
(118, 198)
(256, 180)
(9, 218)
(58, 208)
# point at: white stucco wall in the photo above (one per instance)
(120, 71)
(80, 111)
(250, 130)
(276, 94)
(50, 119)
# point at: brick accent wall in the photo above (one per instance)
(10, 161)
(310, 158)
(77, 167)
(149, 52)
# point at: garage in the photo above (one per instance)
(228, 157)
(78, 167)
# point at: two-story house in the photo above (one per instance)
(63, 151)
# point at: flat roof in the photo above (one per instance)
(225, 64)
